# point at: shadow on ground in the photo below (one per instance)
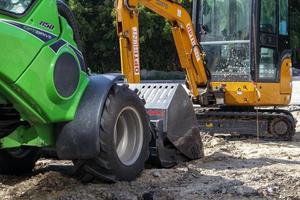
(224, 161)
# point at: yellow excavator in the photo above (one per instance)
(245, 72)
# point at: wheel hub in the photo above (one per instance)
(128, 135)
(279, 127)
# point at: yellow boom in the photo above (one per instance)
(188, 48)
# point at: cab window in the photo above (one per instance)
(268, 16)
(283, 17)
(16, 7)
(268, 70)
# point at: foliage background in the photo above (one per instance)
(96, 21)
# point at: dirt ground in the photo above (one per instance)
(232, 169)
(245, 169)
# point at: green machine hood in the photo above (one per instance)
(19, 46)
(35, 69)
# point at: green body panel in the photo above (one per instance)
(38, 136)
(26, 74)
(37, 86)
(42, 10)
(14, 60)
(19, 48)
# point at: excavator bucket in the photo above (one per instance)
(175, 133)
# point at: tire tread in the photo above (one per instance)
(100, 168)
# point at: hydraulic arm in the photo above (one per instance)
(189, 52)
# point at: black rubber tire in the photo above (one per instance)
(65, 12)
(20, 162)
(107, 166)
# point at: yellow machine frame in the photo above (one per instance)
(192, 58)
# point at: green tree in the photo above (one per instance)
(98, 33)
(96, 21)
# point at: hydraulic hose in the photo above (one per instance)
(208, 74)
(130, 8)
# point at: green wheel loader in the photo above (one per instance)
(48, 100)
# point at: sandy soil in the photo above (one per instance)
(245, 169)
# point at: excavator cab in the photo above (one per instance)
(251, 48)
(223, 27)
(247, 40)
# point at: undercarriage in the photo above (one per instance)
(267, 123)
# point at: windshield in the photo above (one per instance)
(225, 27)
(15, 6)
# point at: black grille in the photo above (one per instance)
(9, 120)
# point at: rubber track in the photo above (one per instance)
(263, 114)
